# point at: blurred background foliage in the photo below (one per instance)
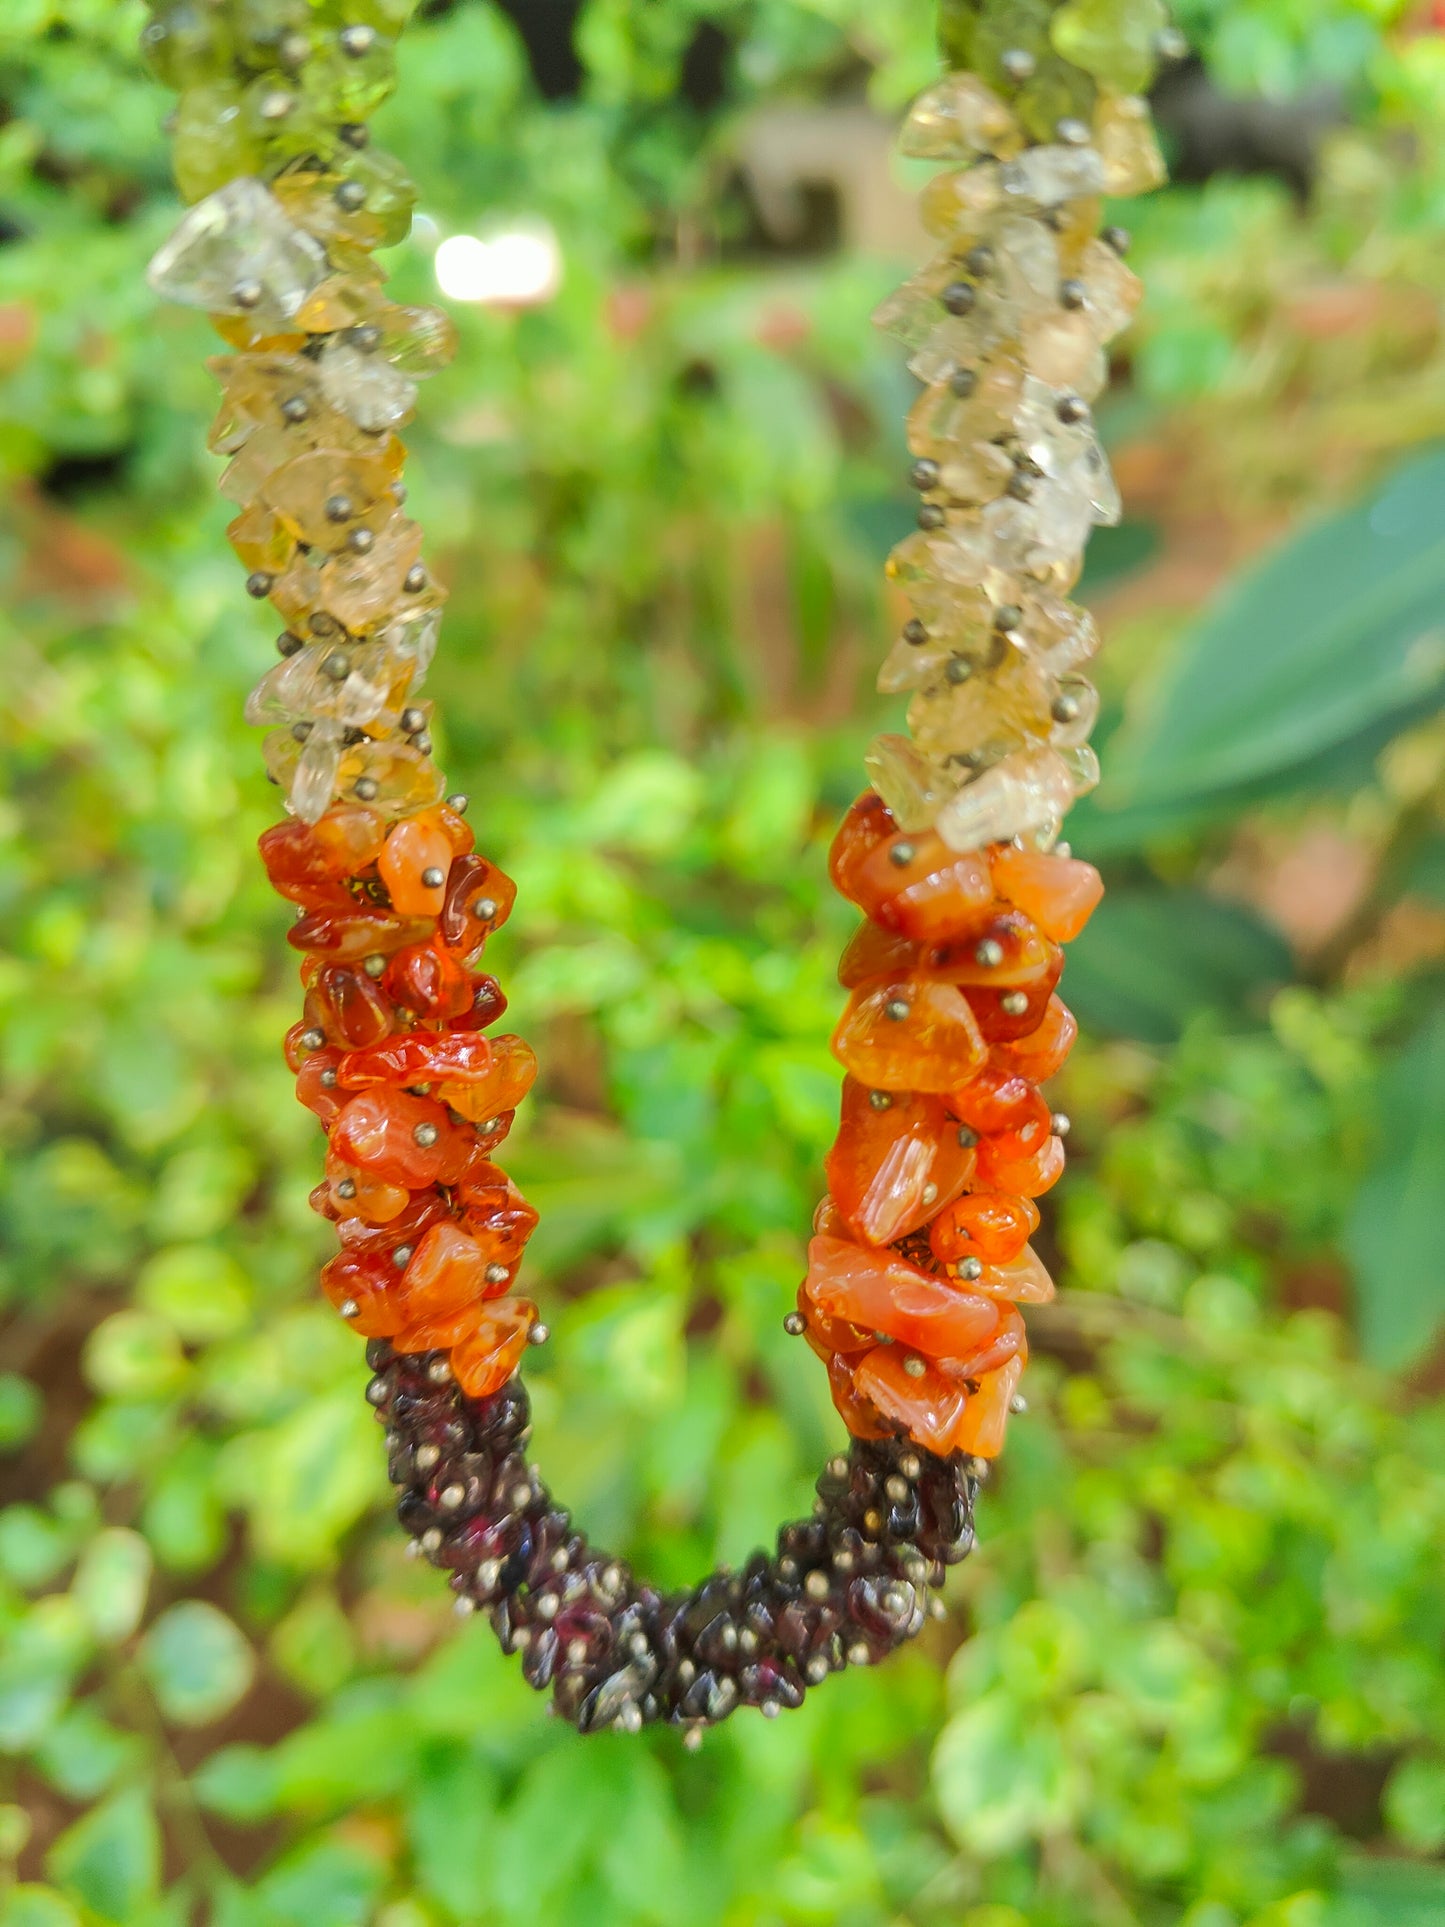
(1196, 1673)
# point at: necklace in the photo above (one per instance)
(920, 1257)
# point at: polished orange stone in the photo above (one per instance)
(911, 883)
(913, 1393)
(346, 935)
(909, 1035)
(511, 1074)
(456, 828)
(365, 1287)
(874, 953)
(420, 1057)
(862, 1419)
(485, 1361)
(317, 1084)
(359, 1193)
(882, 1292)
(998, 1100)
(980, 1431)
(496, 1214)
(1009, 1340)
(1006, 1012)
(487, 1005)
(444, 1332)
(1008, 950)
(310, 862)
(348, 1006)
(1028, 1177)
(422, 1210)
(1060, 893)
(431, 981)
(447, 1271)
(897, 1161)
(1045, 1049)
(479, 899)
(984, 1225)
(417, 849)
(401, 1139)
(831, 1337)
(1023, 1280)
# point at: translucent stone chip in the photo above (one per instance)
(1117, 41)
(332, 498)
(1028, 794)
(344, 682)
(1128, 146)
(914, 788)
(958, 119)
(363, 384)
(1049, 176)
(236, 253)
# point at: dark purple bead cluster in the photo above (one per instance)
(844, 1588)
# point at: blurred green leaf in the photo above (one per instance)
(111, 1582)
(1396, 1231)
(1338, 628)
(1150, 959)
(197, 1661)
(110, 1859)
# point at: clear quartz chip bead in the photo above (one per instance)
(1049, 176)
(314, 783)
(1027, 794)
(365, 387)
(914, 787)
(958, 119)
(236, 253)
(414, 637)
(1128, 146)
(352, 684)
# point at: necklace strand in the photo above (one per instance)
(920, 1257)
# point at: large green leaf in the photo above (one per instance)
(1338, 629)
(1396, 1232)
(1151, 958)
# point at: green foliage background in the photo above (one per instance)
(1196, 1673)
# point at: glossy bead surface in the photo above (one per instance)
(909, 1035)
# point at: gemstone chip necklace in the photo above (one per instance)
(920, 1257)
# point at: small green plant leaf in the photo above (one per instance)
(197, 1661)
(1396, 1233)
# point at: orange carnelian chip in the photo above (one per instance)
(1006, 950)
(479, 899)
(512, 1073)
(986, 1226)
(913, 1393)
(496, 1215)
(447, 1270)
(366, 1196)
(1044, 1050)
(831, 1337)
(884, 1293)
(309, 862)
(487, 1005)
(370, 1282)
(981, 1429)
(862, 1419)
(484, 1362)
(422, 1210)
(456, 829)
(897, 1160)
(995, 1100)
(316, 1084)
(421, 1057)
(1009, 1011)
(345, 935)
(1009, 1341)
(417, 849)
(401, 1139)
(1024, 1280)
(442, 1333)
(911, 883)
(909, 1035)
(1058, 892)
(1029, 1176)
(347, 1005)
(430, 981)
